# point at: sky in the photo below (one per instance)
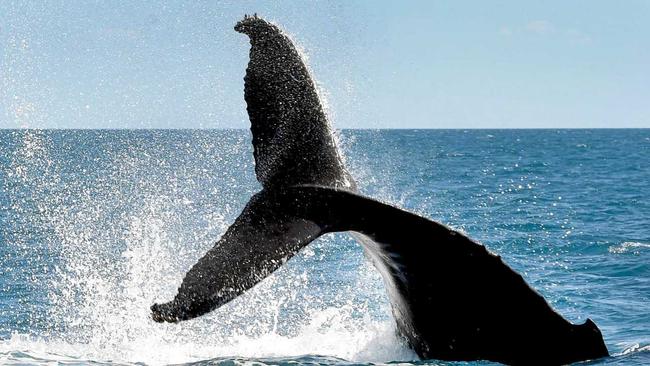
(380, 64)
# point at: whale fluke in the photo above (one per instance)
(292, 141)
(261, 239)
(451, 298)
(292, 144)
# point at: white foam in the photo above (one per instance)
(635, 348)
(628, 247)
(327, 333)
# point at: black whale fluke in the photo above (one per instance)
(292, 141)
(451, 298)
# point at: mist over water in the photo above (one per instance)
(95, 226)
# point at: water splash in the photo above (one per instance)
(122, 228)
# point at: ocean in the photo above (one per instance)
(97, 225)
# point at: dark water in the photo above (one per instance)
(97, 225)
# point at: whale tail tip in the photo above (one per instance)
(253, 24)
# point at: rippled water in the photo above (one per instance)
(95, 226)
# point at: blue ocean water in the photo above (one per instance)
(97, 225)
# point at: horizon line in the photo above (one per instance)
(337, 129)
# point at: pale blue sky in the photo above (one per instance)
(428, 64)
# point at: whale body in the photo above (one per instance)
(451, 298)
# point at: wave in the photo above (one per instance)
(21, 350)
(327, 334)
(629, 247)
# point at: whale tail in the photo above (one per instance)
(452, 299)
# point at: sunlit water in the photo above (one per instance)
(95, 226)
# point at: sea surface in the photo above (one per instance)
(97, 225)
